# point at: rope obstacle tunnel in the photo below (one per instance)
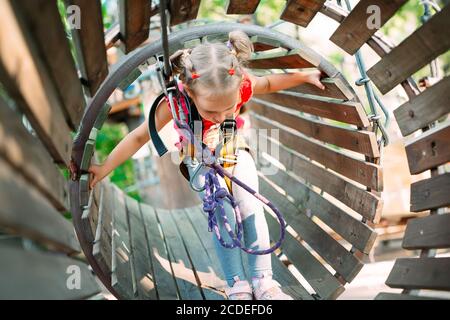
(324, 199)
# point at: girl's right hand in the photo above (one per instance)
(98, 174)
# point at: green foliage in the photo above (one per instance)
(107, 140)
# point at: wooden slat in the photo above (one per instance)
(47, 33)
(355, 30)
(163, 274)
(430, 232)
(102, 116)
(366, 173)
(344, 111)
(290, 284)
(425, 108)
(281, 59)
(242, 7)
(211, 283)
(102, 248)
(363, 202)
(182, 11)
(301, 12)
(261, 43)
(321, 280)
(134, 19)
(400, 296)
(89, 43)
(18, 146)
(89, 149)
(198, 220)
(36, 275)
(181, 264)
(334, 88)
(346, 264)
(88, 221)
(41, 105)
(122, 278)
(429, 150)
(141, 259)
(431, 193)
(423, 273)
(427, 43)
(24, 211)
(361, 141)
(361, 236)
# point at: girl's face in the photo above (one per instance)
(215, 108)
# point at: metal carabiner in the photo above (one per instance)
(194, 176)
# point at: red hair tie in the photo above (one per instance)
(195, 75)
(231, 71)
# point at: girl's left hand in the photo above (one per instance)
(314, 78)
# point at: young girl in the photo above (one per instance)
(216, 82)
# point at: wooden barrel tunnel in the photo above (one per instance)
(123, 263)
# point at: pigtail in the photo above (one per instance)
(240, 44)
(182, 65)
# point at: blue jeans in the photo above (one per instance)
(256, 231)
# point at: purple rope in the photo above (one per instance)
(215, 195)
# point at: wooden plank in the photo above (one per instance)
(180, 262)
(142, 261)
(281, 59)
(163, 273)
(416, 113)
(182, 11)
(361, 141)
(122, 278)
(344, 111)
(400, 296)
(41, 105)
(102, 116)
(359, 234)
(301, 12)
(261, 43)
(334, 88)
(18, 146)
(89, 41)
(431, 232)
(89, 149)
(346, 264)
(211, 283)
(242, 7)
(427, 43)
(429, 150)
(198, 220)
(134, 19)
(290, 284)
(420, 273)
(49, 37)
(363, 202)
(430, 193)
(358, 26)
(102, 248)
(24, 211)
(366, 173)
(88, 222)
(321, 280)
(36, 275)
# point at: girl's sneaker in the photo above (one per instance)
(240, 290)
(266, 288)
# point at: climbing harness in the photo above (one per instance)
(214, 193)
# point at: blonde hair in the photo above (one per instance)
(213, 61)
